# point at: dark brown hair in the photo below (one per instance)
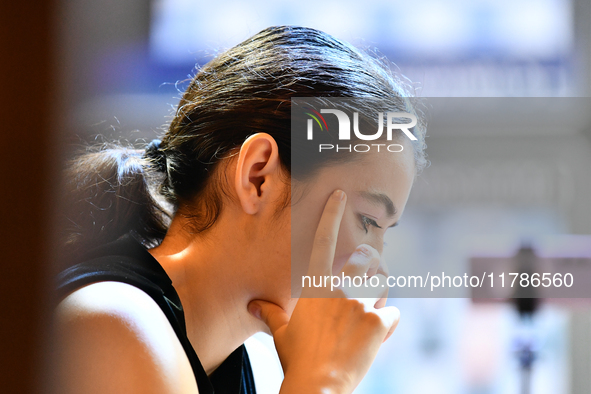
(243, 91)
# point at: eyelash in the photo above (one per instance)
(365, 222)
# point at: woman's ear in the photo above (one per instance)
(257, 171)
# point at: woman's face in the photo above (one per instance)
(377, 187)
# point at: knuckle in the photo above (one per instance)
(323, 240)
(367, 251)
(373, 320)
(370, 319)
(354, 263)
(355, 306)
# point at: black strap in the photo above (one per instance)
(120, 269)
(127, 261)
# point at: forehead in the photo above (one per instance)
(388, 173)
(378, 160)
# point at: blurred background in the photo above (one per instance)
(80, 71)
(505, 173)
(122, 60)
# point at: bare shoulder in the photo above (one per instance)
(266, 368)
(112, 337)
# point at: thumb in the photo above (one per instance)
(271, 314)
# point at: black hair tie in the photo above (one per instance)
(156, 155)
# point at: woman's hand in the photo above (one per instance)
(330, 340)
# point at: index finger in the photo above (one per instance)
(325, 240)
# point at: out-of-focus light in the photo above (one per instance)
(521, 29)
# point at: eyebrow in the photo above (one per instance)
(380, 199)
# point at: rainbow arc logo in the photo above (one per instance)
(315, 115)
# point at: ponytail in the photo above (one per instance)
(108, 193)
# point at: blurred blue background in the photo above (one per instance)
(122, 57)
(454, 47)
(123, 64)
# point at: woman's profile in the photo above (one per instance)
(179, 252)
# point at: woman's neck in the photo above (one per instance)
(213, 290)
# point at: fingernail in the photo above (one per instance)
(338, 195)
(255, 309)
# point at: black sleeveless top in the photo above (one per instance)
(127, 260)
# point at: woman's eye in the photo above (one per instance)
(366, 222)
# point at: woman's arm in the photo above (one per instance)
(111, 337)
(330, 341)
